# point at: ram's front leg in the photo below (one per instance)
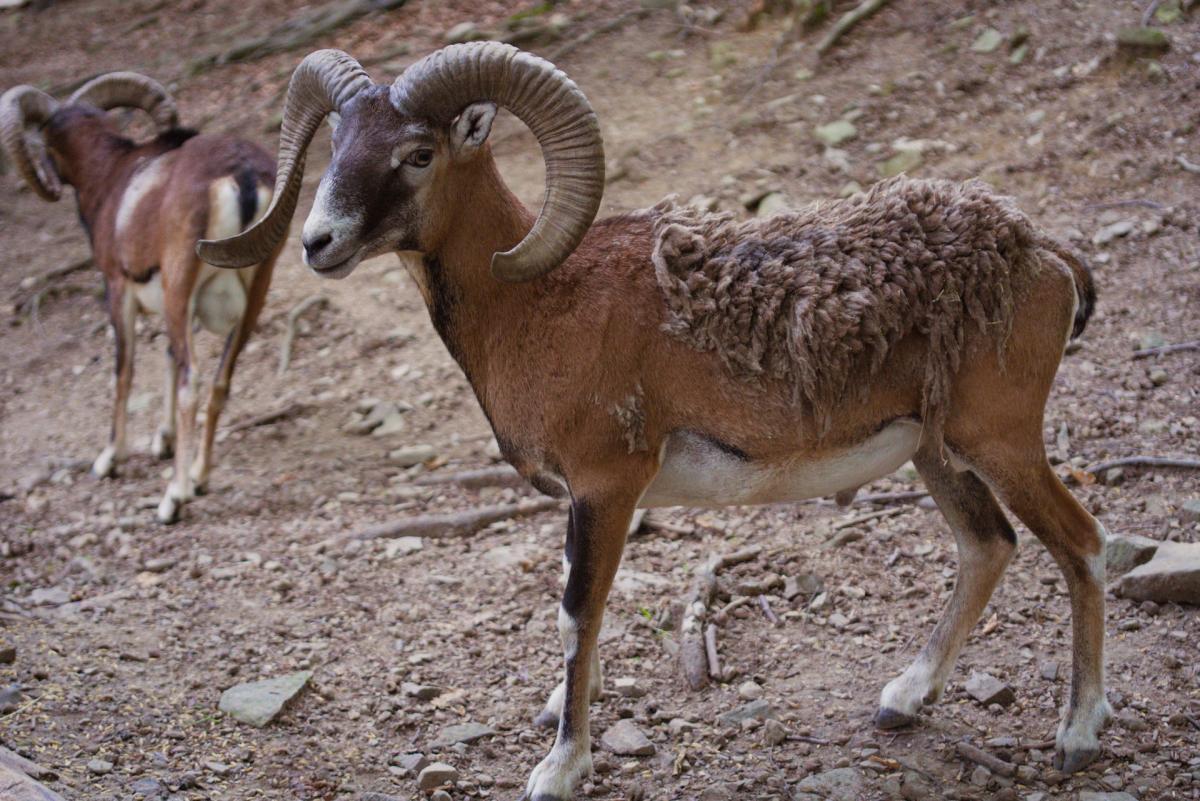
(599, 520)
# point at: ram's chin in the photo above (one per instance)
(339, 269)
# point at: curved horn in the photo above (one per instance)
(322, 83)
(443, 83)
(129, 90)
(20, 107)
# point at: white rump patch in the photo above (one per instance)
(149, 176)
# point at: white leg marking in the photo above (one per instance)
(106, 463)
(556, 776)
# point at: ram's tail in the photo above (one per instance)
(1085, 287)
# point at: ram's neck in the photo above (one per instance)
(467, 305)
(93, 162)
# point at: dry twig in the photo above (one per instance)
(767, 611)
(1146, 353)
(1192, 167)
(455, 524)
(285, 351)
(980, 757)
(1144, 461)
(863, 518)
(266, 418)
(710, 651)
(557, 53)
(848, 21)
(693, 652)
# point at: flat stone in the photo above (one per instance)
(1124, 552)
(402, 546)
(435, 775)
(1049, 671)
(467, 732)
(413, 761)
(412, 455)
(10, 698)
(759, 709)
(1189, 511)
(839, 784)
(1173, 574)
(149, 788)
(624, 738)
(48, 596)
(988, 690)
(260, 702)
(1113, 231)
(750, 691)
(904, 161)
(99, 767)
(392, 424)
(628, 687)
(774, 733)
(987, 40)
(1092, 795)
(802, 584)
(1143, 39)
(772, 204)
(834, 133)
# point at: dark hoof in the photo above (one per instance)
(546, 719)
(888, 718)
(1073, 761)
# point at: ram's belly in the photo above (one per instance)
(698, 472)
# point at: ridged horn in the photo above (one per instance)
(441, 85)
(322, 83)
(130, 90)
(22, 107)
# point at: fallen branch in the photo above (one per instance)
(848, 21)
(1144, 461)
(557, 54)
(455, 524)
(1191, 167)
(695, 661)
(285, 351)
(710, 651)
(296, 32)
(1148, 14)
(503, 476)
(1146, 353)
(980, 757)
(854, 521)
(266, 418)
(767, 611)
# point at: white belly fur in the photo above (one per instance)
(695, 472)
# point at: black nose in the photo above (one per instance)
(314, 246)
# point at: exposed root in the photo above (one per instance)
(1163, 349)
(455, 524)
(980, 757)
(848, 21)
(266, 418)
(1144, 461)
(285, 351)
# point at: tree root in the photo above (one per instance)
(848, 21)
(285, 351)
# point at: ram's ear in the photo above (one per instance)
(471, 129)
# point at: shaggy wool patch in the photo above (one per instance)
(818, 296)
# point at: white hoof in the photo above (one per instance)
(904, 695)
(105, 465)
(169, 509)
(555, 777)
(162, 446)
(1077, 743)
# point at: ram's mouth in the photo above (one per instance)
(339, 269)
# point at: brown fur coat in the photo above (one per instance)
(817, 295)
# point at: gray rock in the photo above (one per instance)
(1131, 721)
(150, 789)
(834, 133)
(1092, 795)
(839, 784)
(1049, 671)
(1173, 574)
(467, 732)
(772, 204)
(99, 767)
(988, 690)
(755, 710)
(412, 455)
(435, 775)
(49, 596)
(1113, 231)
(402, 546)
(392, 424)
(1189, 511)
(750, 691)
(10, 698)
(259, 702)
(774, 733)
(8, 654)
(680, 726)
(624, 738)
(1143, 39)
(802, 584)
(981, 776)
(628, 687)
(1124, 552)
(987, 41)
(413, 761)
(440, 795)
(716, 792)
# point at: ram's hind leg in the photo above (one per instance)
(985, 544)
(1076, 541)
(122, 310)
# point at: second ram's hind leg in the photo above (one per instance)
(162, 446)
(550, 714)
(123, 313)
(178, 312)
(986, 542)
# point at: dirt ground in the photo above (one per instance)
(126, 632)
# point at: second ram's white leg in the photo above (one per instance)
(163, 444)
(600, 527)
(986, 542)
(552, 712)
(123, 313)
(179, 489)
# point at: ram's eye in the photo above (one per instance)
(420, 158)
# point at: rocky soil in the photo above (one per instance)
(411, 666)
